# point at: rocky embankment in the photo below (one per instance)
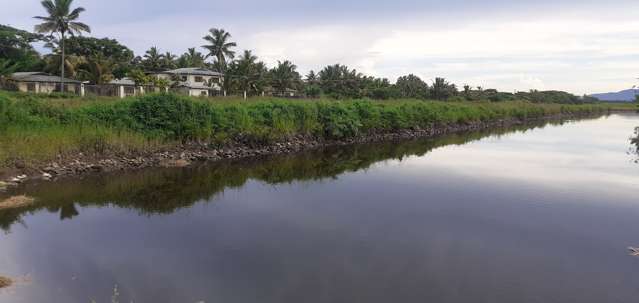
(186, 154)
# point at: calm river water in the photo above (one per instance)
(537, 214)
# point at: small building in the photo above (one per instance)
(124, 87)
(193, 81)
(39, 82)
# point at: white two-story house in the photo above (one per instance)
(194, 81)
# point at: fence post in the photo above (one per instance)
(81, 89)
(121, 93)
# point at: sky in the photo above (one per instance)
(580, 46)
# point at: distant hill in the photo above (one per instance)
(622, 96)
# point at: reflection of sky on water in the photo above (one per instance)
(585, 156)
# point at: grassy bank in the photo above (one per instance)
(34, 129)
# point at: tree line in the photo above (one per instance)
(101, 60)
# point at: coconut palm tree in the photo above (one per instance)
(169, 60)
(62, 20)
(191, 58)
(153, 60)
(220, 46)
(246, 73)
(97, 69)
(285, 76)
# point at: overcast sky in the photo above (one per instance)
(581, 46)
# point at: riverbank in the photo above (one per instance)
(46, 139)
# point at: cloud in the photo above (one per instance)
(581, 46)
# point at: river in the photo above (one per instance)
(538, 213)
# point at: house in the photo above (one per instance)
(38, 82)
(193, 81)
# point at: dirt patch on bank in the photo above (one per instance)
(5, 282)
(16, 202)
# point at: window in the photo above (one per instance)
(31, 87)
(199, 79)
(183, 78)
(215, 80)
(204, 93)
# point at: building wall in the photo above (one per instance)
(46, 88)
(190, 80)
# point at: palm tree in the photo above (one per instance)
(219, 46)
(153, 60)
(98, 69)
(61, 20)
(285, 76)
(191, 58)
(53, 62)
(169, 60)
(246, 73)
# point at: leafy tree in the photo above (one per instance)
(220, 47)
(153, 60)
(169, 61)
(285, 76)
(61, 20)
(246, 74)
(338, 81)
(139, 77)
(15, 46)
(549, 97)
(412, 86)
(7, 67)
(191, 58)
(442, 89)
(119, 55)
(72, 63)
(312, 77)
(97, 69)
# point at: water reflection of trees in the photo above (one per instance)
(163, 191)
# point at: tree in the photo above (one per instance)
(153, 60)
(284, 76)
(97, 69)
(220, 46)
(442, 89)
(191, 58)
(6, 69)
(169, 61)
(53, 62)
(61, 20)
(412, 86)
(339, 81)
(311, 85)
(89, 47)
(15, 47)
(246, 73)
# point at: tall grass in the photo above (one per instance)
(37, 128)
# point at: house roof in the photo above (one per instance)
(39, 77)
(192, 71)
(123, 81)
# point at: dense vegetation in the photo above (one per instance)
(102, 60)
(40, 128)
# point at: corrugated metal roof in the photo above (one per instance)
(40, 77)
(192, 71)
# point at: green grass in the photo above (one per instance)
(34, 128)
